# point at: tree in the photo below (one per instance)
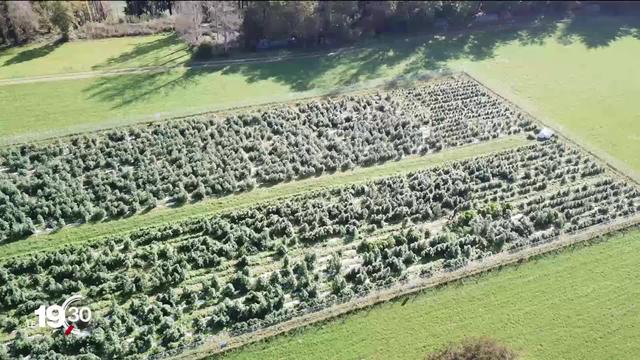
(23, 20)
(62, 17)
(219, 18)
(336, 18)
(188, 19)
(335, 264)
(3, 352)
(4, 23)
(375, 15)
(224, 18)
(98, 10)
(151, 8)
(277, 20)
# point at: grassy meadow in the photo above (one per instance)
(587, 91)
(49, 58)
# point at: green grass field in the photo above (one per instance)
(84, 233)
(80, 56)
(579, 304)
(589, 93)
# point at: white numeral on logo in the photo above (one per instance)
(55, 316)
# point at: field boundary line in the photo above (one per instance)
(496, 262)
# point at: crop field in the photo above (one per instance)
(213, 277)
(554, 307)
(70, 235)
(122, 172)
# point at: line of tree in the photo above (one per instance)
(22, 21)
(121, 172)
(155, 275)
(310, 23)
(248, 23)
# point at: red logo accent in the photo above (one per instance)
(68, 331)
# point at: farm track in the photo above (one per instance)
(412, 288)
(161, 69)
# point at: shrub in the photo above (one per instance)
(204, 51)
(93, 30)
(475, 349)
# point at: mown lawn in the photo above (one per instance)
(589, 91)
(83, 233)
(87, 55)
(579, 304)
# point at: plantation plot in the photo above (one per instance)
(119, 173)
(222, 275)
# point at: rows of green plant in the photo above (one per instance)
(253, 267)
(120, 173)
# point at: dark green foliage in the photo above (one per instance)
(120, 172)
(149, 273)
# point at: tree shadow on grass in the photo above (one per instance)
(124, 90)
(439, 51)
(340, 68)
(154, 52)
(415, 54)
(35, 53)
(597, 32)
(390, 55)
(386, 58)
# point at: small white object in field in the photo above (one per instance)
(545, 134)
